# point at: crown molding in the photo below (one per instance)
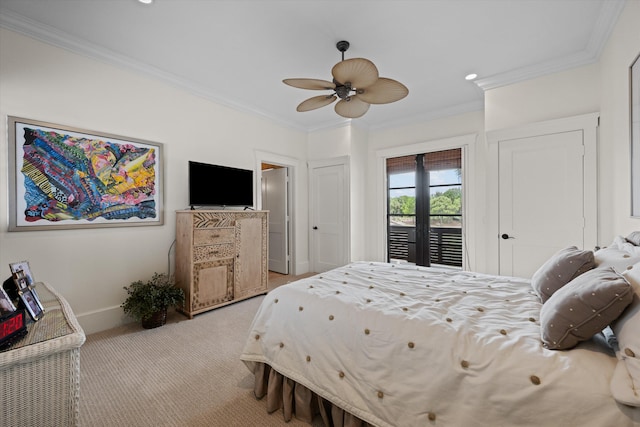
(607, 19)
(609, 13)
(52, 36)
(442, 113)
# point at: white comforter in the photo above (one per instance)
(399, 345)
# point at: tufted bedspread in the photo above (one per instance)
(400, 345)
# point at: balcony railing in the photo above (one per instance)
(445, 245)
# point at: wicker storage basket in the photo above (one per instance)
(40, 374)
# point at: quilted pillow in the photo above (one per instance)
(583, 307)
(560, 269)
(626, 379)
(620, 255)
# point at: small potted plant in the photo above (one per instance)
(147, 302)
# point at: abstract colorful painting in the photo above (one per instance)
(66, 178)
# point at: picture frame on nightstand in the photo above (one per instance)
(32, 303)
(26, 287)
(6, 305)
(21, 273)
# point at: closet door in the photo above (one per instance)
(329, 214)
(542, 192)
(541, 199)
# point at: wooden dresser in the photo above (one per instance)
(221, 257)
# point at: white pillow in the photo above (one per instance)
(634, 237)
(626, 379)
(623, 244)
(621, 255)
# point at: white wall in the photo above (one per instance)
(568, 93)
(614, 155)
(90, 267)
(433, 135)
(351, 141)
(600, 87)
(329, 143)
(358, 171)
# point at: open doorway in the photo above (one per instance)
(275, 194)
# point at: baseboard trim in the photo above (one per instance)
(102, 319)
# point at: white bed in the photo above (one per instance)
(400, 345)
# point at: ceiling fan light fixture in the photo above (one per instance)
(343, 91)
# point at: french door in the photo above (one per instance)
(424, 208)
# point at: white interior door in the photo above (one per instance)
(329, 217)
(274, 199)
(541, 199)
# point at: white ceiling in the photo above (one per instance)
(238, 52)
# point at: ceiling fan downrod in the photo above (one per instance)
(343, 90)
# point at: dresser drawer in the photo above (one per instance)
(213, 236)
(213, 252)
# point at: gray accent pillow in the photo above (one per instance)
(584, 307)
(560, 269)
(634, 238)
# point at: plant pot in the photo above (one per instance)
(157, 319)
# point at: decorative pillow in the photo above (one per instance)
(626, 380)
(620, 255)
(624, 244)
(584, 307)
(634, 238)
(560, 269)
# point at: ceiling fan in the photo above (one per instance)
(355, 82)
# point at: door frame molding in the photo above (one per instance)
(293, 165)
(469, 192)
(588, 125)
(343, 161)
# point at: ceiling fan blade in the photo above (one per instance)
(352, 108)
(383, 91)
(313, 84)
(316, 102)
(359, 72)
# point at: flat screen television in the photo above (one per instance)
(215, 185)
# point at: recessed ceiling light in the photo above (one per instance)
(471, 76)
(146, 1)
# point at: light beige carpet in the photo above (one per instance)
(185, 373)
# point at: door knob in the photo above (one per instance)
(505, 236)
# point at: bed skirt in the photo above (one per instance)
(297, 400)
